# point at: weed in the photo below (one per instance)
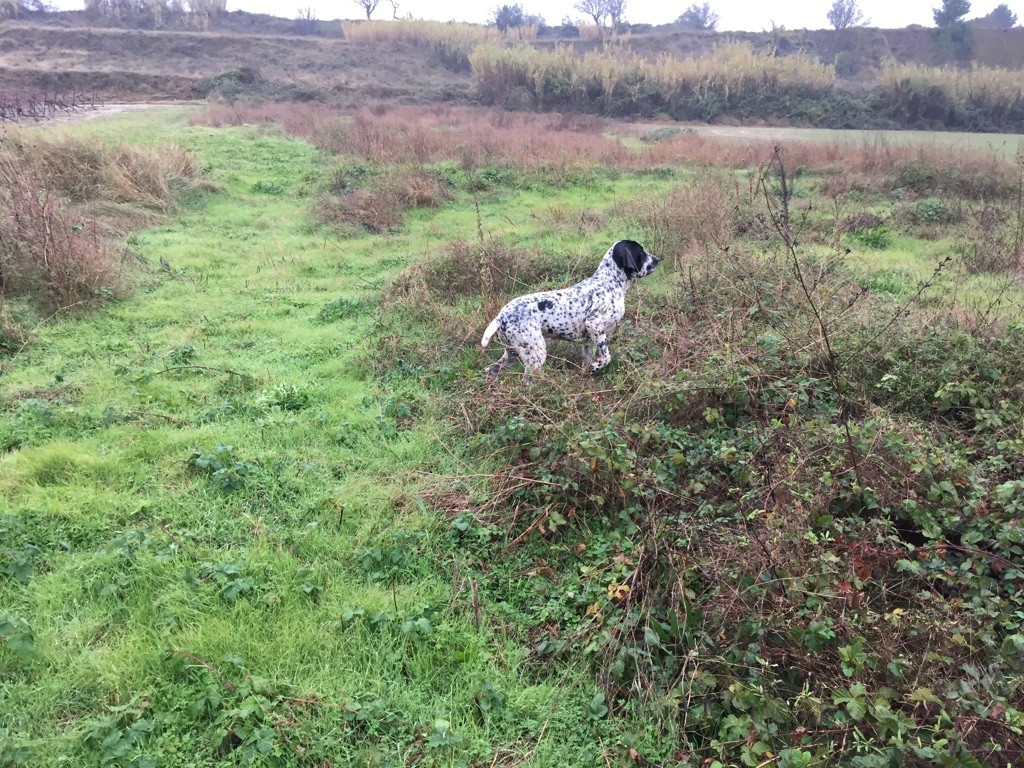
(283, 397)
(343, 309)
(876, 238)
(225, 472)
(16, 634)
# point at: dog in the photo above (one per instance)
(586, 312)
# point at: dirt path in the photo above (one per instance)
(104, 110)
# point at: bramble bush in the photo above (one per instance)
(784, 526)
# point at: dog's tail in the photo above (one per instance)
(491, 330)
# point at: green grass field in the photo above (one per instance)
(223, 539)
(302, 570)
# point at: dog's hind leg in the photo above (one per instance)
(588, 356)
(532, 350)
(503, 362)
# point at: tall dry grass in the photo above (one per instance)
(460, 35)
(47, 253)
(88, 170)
(617, 79)
(305, 119)
(995, 86)
(453, 41)
(53, 246)
(476, 137)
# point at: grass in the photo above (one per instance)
(1000, 145)
(135, 556)
(264, 511)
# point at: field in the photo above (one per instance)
(258, 506)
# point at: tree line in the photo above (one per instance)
(842, 14)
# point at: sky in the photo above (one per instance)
(748, 15)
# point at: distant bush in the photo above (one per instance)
(246, 84)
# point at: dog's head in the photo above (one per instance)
(632, 259)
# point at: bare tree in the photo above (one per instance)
(845, 14)
(595, 9)
(699, 17)
(368, 5)
(615, 9)
(394, 9)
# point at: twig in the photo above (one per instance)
(198, 368)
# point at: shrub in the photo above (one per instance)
(378, 206)
(771, 523)
(877, 238)
(485, 273)
(53, 195)
(88, 170)
(697, 215)
(46, 252)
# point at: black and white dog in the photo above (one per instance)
(585, 312)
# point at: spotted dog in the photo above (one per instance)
(586, 312)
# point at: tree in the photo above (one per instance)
(616, 9)
(953, 37)
(951, 13)
(12, 9)
(698, 17)
(367, 5)
(1000, 17)
(595, 9)
(845, 14)
(508, 17)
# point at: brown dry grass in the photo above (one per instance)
(699, 217)
(53, 246)
(486, 273)
(378, 208)
(89, 170)
(46, 252)
(557, 144)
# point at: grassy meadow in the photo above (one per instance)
(259, 507)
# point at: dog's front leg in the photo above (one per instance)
(604, 355)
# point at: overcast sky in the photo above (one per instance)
(752, 15)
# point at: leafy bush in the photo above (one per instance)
(876, 238)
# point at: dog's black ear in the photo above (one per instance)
(628, 256)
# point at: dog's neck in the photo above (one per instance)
(609, 271)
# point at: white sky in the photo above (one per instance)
(751, 15)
